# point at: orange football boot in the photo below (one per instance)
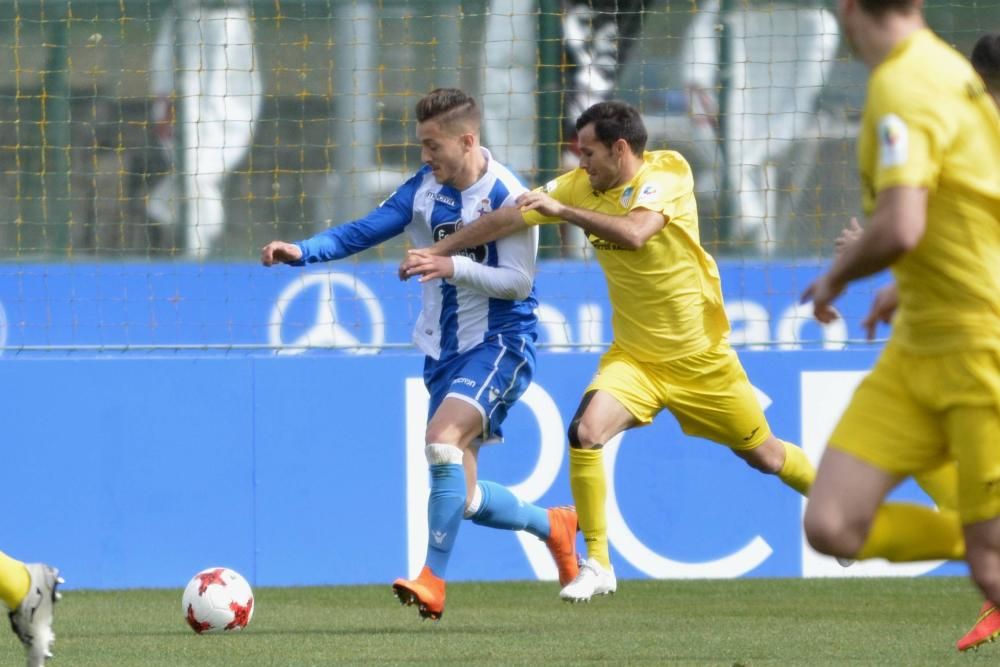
(426, 591)
(562, 542)
(986, 629)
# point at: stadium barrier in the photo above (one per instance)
(171, 427)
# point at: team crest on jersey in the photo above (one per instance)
(626, 196)
(549, 187)
(649, 192)
(484, 207)
(893, 141)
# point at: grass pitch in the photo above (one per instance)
(733, 623)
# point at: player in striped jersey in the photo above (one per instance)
(477, 330)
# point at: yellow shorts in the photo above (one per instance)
(708, 393)
(914, 412)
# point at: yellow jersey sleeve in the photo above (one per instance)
(911, 133)
(663, 186)
(561, 189)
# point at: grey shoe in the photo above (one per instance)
(32, 620)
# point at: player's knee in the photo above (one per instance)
(767, 458)
(572, 433)
(830, 533)
(582, 436)
(443, 432)
(820, 535)
(439, 453)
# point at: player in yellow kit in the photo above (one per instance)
(28, 590)
(929, 157)
(670, 346)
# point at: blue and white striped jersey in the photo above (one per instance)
(492, 291)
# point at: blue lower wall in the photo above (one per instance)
(137, 471)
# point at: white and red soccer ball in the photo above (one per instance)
(217, 600)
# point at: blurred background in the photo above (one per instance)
(205, 128)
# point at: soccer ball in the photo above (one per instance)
(217, 600)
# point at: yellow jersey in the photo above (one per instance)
(929, 123)
(666, 297)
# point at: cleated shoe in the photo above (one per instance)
(426, 591)
(562, 542)
(592, 580)
(986, 629)
(32, 620)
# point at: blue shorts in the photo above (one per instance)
(491, 376)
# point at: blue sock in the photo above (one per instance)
(444, 513)
(502, 509)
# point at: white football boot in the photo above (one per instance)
(32, 620)
(592, 580)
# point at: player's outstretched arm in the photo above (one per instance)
(895, 228)
(886, 299)
(630, 231)
(489, 227)
(279, 252)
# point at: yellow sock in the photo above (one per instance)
(905, 532)
(941, 484)
(14, 581)
(586, 479)
(797, 472)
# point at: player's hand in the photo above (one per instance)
(279, 252)
(412, 259)
(426, 265)
(541, 202)
(883, 307)
(823, 292)
(848, 235)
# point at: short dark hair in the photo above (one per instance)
(883, 7)
(613, 121)
(447, 106)
(986, 59)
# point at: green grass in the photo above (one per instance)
(736, 622)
